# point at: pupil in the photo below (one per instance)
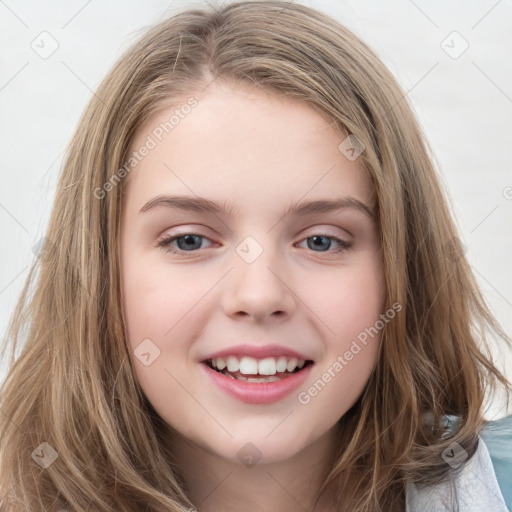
(188, 242)
(317, 245)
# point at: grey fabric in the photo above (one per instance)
(475, 489)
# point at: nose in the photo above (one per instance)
(259, 289)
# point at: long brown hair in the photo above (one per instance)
(72, 385)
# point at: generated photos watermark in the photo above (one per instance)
(151, 142)
(304, 397)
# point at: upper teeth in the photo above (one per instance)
(251, 366)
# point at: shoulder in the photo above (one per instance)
(474, 489)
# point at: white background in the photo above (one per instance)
(464, 105)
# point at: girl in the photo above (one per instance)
(255, 368)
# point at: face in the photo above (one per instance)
(259, 278)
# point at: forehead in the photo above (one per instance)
(246, 143)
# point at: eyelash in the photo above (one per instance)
(165, 243)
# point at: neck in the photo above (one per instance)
(216, 483)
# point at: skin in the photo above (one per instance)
(259, 152)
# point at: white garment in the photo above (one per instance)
(475, 489)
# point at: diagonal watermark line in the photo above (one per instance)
(218, 218)
(210, 83)
(19, 19)
(301, 300)
(418, 82)
(425, 14)
(492, 81)
(198, 301)
(490, 490)
(311, 188)
(481, 222)
(76, 14)
(73, 270)
(53, 162)
(13, 217)
(492, 286)
(279, 424)
(199, 403)
(408, 91)
(497, 414)
(485, 15)
(216, 7)
(281, 11)
(83, 82)
(14, 76)
(215, 488)
(10, 419)
(284, 489)
(13, 279)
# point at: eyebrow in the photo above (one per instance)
(203, 205)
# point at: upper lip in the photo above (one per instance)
(258, 352)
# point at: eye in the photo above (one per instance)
(190, 242)
(187, 242)
(320, 241)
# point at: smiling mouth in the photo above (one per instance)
(256, 377)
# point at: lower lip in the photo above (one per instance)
(258, 392)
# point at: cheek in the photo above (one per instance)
(164, 310)
(348, 302)
(349, 306)
(156, 300)
(352, 314)
(352, 327)
(160, 315)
